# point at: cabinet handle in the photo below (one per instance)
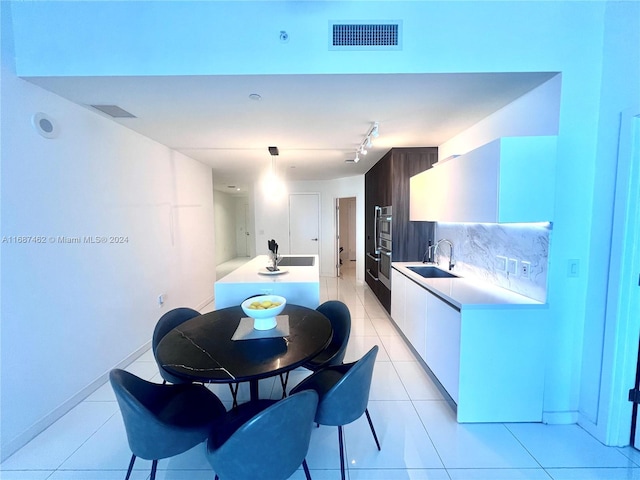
(371, 275)
(372, 257)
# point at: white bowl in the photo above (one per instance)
(264, 319)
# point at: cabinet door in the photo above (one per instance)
(398, 298)
(443, 343)
(418, 198)
(415, 317)
(473, 185)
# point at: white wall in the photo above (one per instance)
(71, 312)
(272, 219)
(225, 226)
(535, 113)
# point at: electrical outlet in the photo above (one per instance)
(512, 266)
(525, 269)
(501, 263)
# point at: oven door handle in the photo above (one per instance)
(376, 219)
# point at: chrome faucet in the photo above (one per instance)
(435, 249)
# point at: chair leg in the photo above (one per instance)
(234, 393)
(373, 430)
(284, 378)
(131, 462)
(341, 444)
(154, 467)
(306, 469)
(217, 477)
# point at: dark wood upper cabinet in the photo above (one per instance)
(387, 183)
(409, 238)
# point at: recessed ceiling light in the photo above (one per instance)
(255, 96)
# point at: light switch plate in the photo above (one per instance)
(512, 266)
(501, 263)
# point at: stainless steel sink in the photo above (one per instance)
(432, 272)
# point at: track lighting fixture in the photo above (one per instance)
(367, 143)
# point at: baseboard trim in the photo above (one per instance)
(560, 418)
(12, 446)
(204, 303)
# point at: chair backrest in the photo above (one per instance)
(340, 317)
(143, 405)
(347, 400)
(169, 321)
(270, 445)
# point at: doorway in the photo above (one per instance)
(345, 234)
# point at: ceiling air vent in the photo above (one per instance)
(114, 111)
(365, 36)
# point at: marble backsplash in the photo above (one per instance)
(477, 246)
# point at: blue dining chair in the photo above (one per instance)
(340, 317)
(163, 420)
(333, 354)
(170, 320)
(343, 392)
(263, 439)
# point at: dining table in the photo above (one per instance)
(223, 347)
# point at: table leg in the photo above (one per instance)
(253, 390)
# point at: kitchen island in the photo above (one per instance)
(299, 284)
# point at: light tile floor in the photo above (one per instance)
(419, 435)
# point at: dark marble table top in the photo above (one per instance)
(201, 349)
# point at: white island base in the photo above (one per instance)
(299, 285)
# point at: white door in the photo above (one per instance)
(304, 223)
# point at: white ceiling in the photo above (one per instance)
(316, 121)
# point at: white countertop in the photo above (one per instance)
(466, 293)
(249, 272)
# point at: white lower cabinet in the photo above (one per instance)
(443, 343)
(489, 358)
(415, 319)
(399, 282)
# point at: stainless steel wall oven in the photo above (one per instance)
(383, 244)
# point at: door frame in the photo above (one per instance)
(622, 322)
